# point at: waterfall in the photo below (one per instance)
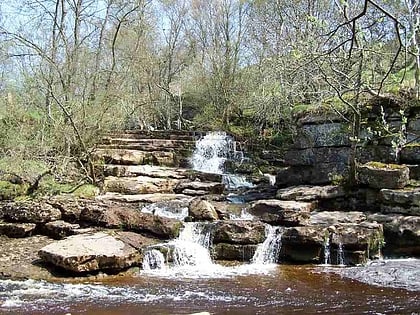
(153, 259)
(210, 154)
(212, 151)
(162, 209)
(192, 247)
(340, 254)
(268, 252)
(327, 251)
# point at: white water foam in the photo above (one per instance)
(172, 210)
(268, 252)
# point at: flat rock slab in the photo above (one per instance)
(310, 193)
(141, 198)
(139, 185)
(145, 170)
(135, 157)
(405, 201)
(90, 252)
(238, 232)
(336, 217)
(390, 176)
(60, 229)
(188, 187)
(282, 212)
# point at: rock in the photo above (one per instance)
(414, 171)
(410, 154)
(332, 134)
(59, 229)
(17, 230)
(310, 193)
(30, 212)
(70, 206)
(359, 236)
(303, 244)
(315, 156)
(141, 198)
(139, 185)
(281, 212)
(19, 259)
(328, 218)
(406, 201)
(202, 210)
(135, 157)
(227, 210)
(145, 170)
(238, 232)
(224, 251)
(209, 187)
(383, 153)
(90, 252)
(130, 219)
(379, 175)
(401, 233)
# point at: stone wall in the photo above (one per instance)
(321, 150)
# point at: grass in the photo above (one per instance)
(380, 165)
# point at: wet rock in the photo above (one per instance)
(131, 219)
(19, 258)
(405, 201)
(17, 230)
(328, 218)
(401, 233)
(310, 193)
(90, 252)
(304, 244)
(380, 175)
(30, 212)
(202, 210)
(414, 171)
(188, 187)
(224, 251)
(238, 232)
(139, 185)
(282, 212)
(59, 229)
(227, 210)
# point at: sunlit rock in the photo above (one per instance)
(202, 210)
(30, 212)
(238, 232)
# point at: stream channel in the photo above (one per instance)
(191, 282)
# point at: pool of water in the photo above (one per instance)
(283, 289)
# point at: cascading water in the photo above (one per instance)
(340, 254)
(327, 251)
(268, 252)
(153, 259)
(210, 154)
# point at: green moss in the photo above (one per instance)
(380, 165)
(9, 191)
(86, 191)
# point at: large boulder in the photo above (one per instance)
(60, 229)
(410, 154)
(202, 210)
(332, 134)
(30, 212)
(315, 156)
(405, 201)
(401, 233)
(378, 175)
(224, 251)
(282, 212)
(90, 253)
(238, 232)
(131, 219)
(139, 185)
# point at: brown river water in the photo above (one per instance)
(389, 287)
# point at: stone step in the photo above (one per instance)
(139, 185)
(181, 151)
(159, 134)
(136, 157)
(159, 171)
(159, 143)
(141, 198)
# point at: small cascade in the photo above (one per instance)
(327, 252)
(153, 259)
(268, 252)
(232, 181)
(164, 210)
(340, 254)
(244, 215)
(192, 246)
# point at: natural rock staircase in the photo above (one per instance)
(144, 166)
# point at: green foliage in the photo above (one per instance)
(9, 191)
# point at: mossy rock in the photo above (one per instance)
(9, 191)
(380, 175)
